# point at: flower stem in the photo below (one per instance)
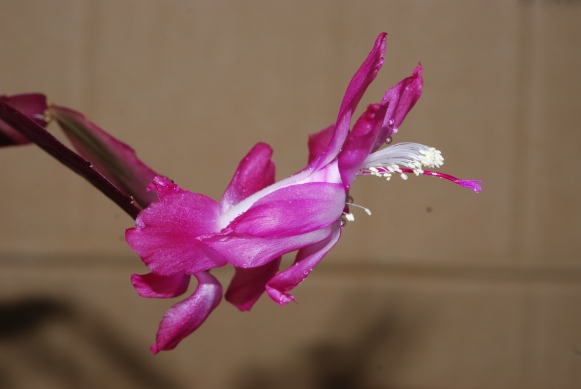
(37, 134)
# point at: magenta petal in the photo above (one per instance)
(319, 141)
(360, 141)
(400, 99)
(285, 220)
(186, 316)
(247, 285)
(377, 123)
(292, 210)
(357, 87)
(110, 157)
(153, 285)
(251, 251)
(32, 105)
(255, 172)
(168, 234)
(307, 259)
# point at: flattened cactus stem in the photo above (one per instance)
(37, 134)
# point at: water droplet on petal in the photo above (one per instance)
(388, 140)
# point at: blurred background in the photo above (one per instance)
(440, 288)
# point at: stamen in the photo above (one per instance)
(367, 210)
(374, 172)
(410, 155)
(410, 158)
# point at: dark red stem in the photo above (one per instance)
(37, 134)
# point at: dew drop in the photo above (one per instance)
(388, 140)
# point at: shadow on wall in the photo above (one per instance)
(370, 360)
(49, 343)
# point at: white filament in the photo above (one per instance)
(414, 156)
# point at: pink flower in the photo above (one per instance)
(180, 234)
(257, 220)
(254, 224)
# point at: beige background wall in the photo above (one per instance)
(440, 288)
